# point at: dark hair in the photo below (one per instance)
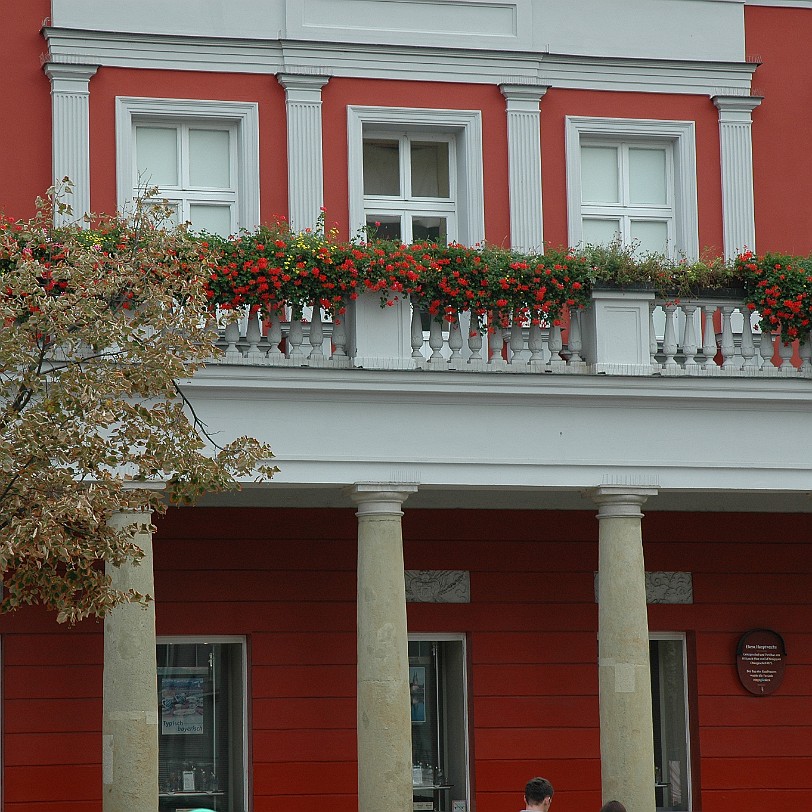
(537, 790)
(613, 806)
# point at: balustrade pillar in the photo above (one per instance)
(384, 720)
(305, 162)
(130, 693)
(627, 738)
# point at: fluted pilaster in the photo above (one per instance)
(736, 145)
(524, 165)
(305, 164)
(70, 105)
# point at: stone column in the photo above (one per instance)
(736, 147)
(305, 162)
(70, 137)
(130, 693)
(627, 737)
(524, 165)
(384, 721)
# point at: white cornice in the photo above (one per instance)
(396, 62)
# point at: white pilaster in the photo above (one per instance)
(70, 106)
(627, 737)
(384, 721)
(130, 694)
(736, 145)
(305, 163)
(524, 165)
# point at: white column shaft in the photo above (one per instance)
(736, 151)
(524, 165)
(627, 738)
(130, 696)
(384, 721)
(70, 106)
(305, 162)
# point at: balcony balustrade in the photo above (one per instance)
(621, 333)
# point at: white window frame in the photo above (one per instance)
(224, 638)
(682, 637)
(681, 137)
(462, 638)
(240, 117)
(464, 130)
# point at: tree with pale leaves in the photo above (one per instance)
(99, 326)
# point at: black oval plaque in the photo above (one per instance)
(761, 659)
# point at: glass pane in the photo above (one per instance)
(436, 684)
(215, 219)
(670, 724)
(156, 156)
(430, 228)
(200, 746)
(384, 227)
(381, 168)
(430, 169)
(647, 176)
(599, 175)
(651, 235)
(210, 158)
(600, 232)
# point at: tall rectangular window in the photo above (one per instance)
(669, 696)
(437, 681)
(201, 694)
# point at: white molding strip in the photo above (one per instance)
(70, 106)
(736, 146)
(524, 165)
(173, 52)
(244, 114)
(305, 160)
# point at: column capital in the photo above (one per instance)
(303, 87)
(523, 96)
(736, 108)
(69, 78)
(616, 501)
(381, 498)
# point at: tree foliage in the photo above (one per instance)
(98, 328)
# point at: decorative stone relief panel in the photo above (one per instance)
(438, 586)
(665, 587)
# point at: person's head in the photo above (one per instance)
(538, 794)
(613, 806)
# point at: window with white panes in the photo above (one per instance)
(194, 167)
(627, 194)
(409, 186)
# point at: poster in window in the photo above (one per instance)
(182, 704)
(417, 689)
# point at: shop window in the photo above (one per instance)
(670, 714)
(632, 181)
(201, 156)
(202, 728)
(437, 680)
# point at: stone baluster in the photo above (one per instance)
(556, 344)
(274, 333)
(232, 336)
(295, 340)
(728, 345)
(496, 343)
(766, 349)
(474, 342)
(339, 336)
(670, 338)
(748, 348)
(689, 340)
(417, 331)
(805, 351)
(709, 337)
(436, 342)
(455, 343)
(574, 342)
(535, 343)
(316, 335)
(518, 354)
(253, 335)
(785, 351)
(652, 337)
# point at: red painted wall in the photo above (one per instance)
(286, 580)
(780, 38)
(25, 121)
